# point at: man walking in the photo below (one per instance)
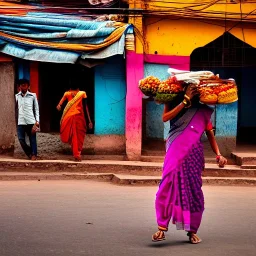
(27, 118)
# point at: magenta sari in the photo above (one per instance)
(180, 197)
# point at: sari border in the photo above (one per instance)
(181, 125)
(70, 104)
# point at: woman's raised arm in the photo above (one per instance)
(169, 114)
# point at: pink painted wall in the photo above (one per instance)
(133, 119)
(179, 62)
(135, 72)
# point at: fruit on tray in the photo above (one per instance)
(212, 89)
(222, 93)
(149, 85)
(228, 96)
(168, 86)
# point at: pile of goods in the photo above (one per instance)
(168, 90)
(149, 85)
(212, 89)
(218, 92)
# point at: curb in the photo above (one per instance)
(117, 167)
(118, 179)
(116, 171)
(54, 176)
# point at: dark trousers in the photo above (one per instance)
(22, 130)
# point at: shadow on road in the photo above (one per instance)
(167, 243)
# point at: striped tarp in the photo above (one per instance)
(28, 32)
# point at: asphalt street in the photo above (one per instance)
(95, 218)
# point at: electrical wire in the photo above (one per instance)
(167, 10)
(175, 12)
(242, 20)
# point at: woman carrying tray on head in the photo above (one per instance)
(180, 197)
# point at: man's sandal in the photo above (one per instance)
(193, 238)
(158, 236)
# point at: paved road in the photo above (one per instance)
(94, 218)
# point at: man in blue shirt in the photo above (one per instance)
(27, 118)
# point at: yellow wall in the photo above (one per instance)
(247, 34)
(174, 32)
(181, 37)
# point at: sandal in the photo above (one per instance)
(158, 236)
(193, 238)
(78, 158)
(33, 158)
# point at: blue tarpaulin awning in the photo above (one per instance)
(60, 38)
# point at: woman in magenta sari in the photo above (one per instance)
(180, 198)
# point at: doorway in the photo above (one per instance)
(55, 79)
(232, 58)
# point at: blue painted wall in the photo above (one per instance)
(226, 120)
(155, 128)
(227, 115)
(110, 93)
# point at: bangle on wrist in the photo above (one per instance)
(187, 97)
(218, 157)
(186, 103)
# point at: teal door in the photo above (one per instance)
(110, 95)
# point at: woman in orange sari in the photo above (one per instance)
(73, 123)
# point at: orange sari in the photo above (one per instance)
(73, 124)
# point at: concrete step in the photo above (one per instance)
(246, 166)
(110, 166)
(70, 157)
(149, 153)
(212, 170)
(151, 180)
(244, 158)
(160, 159)
(118, 179)
(12, 176)
(152, 158)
